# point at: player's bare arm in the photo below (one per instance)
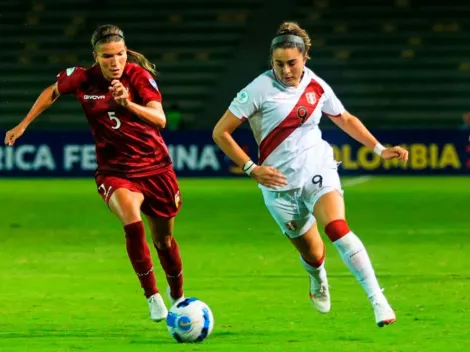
(152, 113)
(356, 129)
(47, 97)
(222, 135)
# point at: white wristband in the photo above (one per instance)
(249, 166)
(378, 149)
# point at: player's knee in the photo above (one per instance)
(129, 214)
(164, 242)
(337, 229)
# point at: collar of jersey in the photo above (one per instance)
(289, 87)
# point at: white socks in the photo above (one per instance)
(355, 256)
(319, 273)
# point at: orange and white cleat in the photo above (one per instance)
(320, 295)
(384, 314)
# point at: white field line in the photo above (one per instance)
(356, 181)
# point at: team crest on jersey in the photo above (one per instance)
(242, 97)
(311, 98)
(70, 70)
(153, 83)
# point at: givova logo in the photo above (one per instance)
(93, 97)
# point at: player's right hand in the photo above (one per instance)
(13, 134)
(268, 176)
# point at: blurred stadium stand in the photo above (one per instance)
(392, 62)
(191, 41)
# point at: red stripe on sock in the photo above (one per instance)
(140, 257)
(319, 262)
(337, 229)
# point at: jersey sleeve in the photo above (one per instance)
(247, 102)
(146, 86)
(70, 79)
(332, 106)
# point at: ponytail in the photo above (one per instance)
(139, 59)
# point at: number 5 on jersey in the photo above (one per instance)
(112, 117)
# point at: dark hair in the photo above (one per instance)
(110, 33)
(289, 35)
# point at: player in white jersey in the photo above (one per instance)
(297, 172)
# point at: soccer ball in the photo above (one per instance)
(190, 320)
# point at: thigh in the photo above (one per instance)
(162, 195)
(324, 180)
(123, 197)
(329, 207)
(289, 212)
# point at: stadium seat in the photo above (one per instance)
(189, 41)
(392, 62)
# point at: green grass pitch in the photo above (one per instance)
(66, 283)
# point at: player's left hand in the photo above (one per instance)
(395, 153)
(119, 92)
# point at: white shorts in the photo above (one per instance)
(293, 209)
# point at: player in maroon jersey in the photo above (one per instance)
(123, 107)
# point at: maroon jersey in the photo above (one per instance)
(125, 145)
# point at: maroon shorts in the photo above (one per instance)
(161, 192)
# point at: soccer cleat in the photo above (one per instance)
(320, 295)
(384, 314)
(158, 310)
(171, 299)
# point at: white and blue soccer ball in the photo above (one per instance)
(190, 320)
